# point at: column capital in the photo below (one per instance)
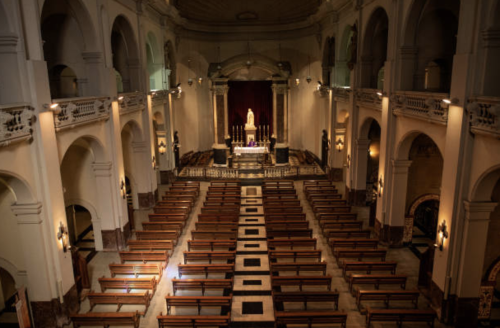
(27, 213)
(102, 169)
(478, 211)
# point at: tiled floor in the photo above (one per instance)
(246, 286)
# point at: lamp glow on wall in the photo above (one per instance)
(442, 235)
(153, 161)
(62, 236)
(123, 190)
(54, 107)
(380, 186)
(340, 144)
(162, 148)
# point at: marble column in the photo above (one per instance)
(280, 119)
(220, 90)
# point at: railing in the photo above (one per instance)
(280, 172)
(209, 172)
(15, 123)
(131, 102)
(341, 94)
(422, 105)
(369, 98)
(83, 110)
(485, 115)
(159, 97)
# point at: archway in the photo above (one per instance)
(63, 82)
(81, 230)
(8, 293)
(347, 55)
(491, 52)
(125, 54)
(374, 51)
(154, 63)
(328, 62)
(170, 78)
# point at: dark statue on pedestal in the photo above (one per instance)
(325, 145)
(273, 142)
(176, 149)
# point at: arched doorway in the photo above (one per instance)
(81, 230)
(374, 51)
(8, 292)
(125, 54)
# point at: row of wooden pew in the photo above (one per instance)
(292, 248)
(210, 251)
(148, 255)
(359, 257)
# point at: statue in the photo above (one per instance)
(176, 149)
(250, 119)
(325, 146)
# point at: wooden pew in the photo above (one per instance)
(359, 254)
(290, 233)
(128, 283)
(171, 209)
(285, 217)
(186, 183)
(157, 235)
(144, 256)
(223, 199)
(106, 319)
(368, 267)
(310, 318)
(331, 209)
(167, 203)
(278, 191)
(176, 197)
(317, 183)
(282, 202)
(298, 267)
(348, 233)
(181, 189)
(220, 189)
(352, 243)
(218, 218)
(209, 256)
(136, 269)
(226, 183)
(283, 209)
(202, 284)
(167, 321)
(301, 281)
(222, 226)
(120, 299)
(386, 296)
(399, 316)
(377, 280)
(179, 193)
(282, 225)
(231, 210)
(294, 254)
(311, 197)
(280, 197)
(275, 183)
(198, 301)
(155, 226)
(206, 269)
(151, 245)
(222, 203)
(332, 202)
(211, 244)
(214, 234)
(292, 243)
(317, 188)
(305, 297)
(172, 217)
(224, 193)
(323, 217)
(341, 225)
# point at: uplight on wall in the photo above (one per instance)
(297, 82)
(442, 235)
(162, 148)
(340, 144)
(54, 107)
(380, 186)
(123, 190)
(62, 236)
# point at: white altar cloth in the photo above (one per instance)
(249, 150)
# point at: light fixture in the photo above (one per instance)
(54, 107)
(200, 80)
(190, 81)
(297, 82)
(162, 148)
(153, 161)
(62, 236)
(123, 190)
(340, 144)
(120, 98)
(380, 186)
(446, 102)
(348, 164)
(442, 235)
(308, 79)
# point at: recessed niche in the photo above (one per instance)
(251, 210)
(252, 308)
(251, 245)
(252, 282)
(251, 262)
(251, 232)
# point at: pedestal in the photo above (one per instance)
(282, 154)
(221, 154)
(250, 133)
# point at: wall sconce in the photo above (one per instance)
(318, 87)
(442, 235)
(308, 79)
(123, 190)
(200, 80)
(54, 107)
(190, 81)
(120, 98)
(445, 103)
(62, 236)
(380, 186)
(297, 82)
(162, 148)
(340, 144)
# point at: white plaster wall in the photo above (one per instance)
(485, 155)
(10, 248)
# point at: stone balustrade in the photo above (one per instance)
(341, 94)
(159, 97)
(131, 102)
(368, 98)
(15, 123)
(82, 110)
(427, 106)
(485, 115)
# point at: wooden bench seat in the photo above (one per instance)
(182, 193)
(181, 189)
(235, 210)
(222, 226)
(368, 267)
(269, 217)
(377, 280)
(157, 235)
(151, 245)
(274, 182)
(276, 191)
(386, 296)
(222, 203)
(209, 256)
(176, 197)
(186, 203)
(359, 254)
(331, 195)
(313, 188)
(211, 244)
(168, 321)
(298, 267)
(221, 188)
(206, 269)
(106, 319)
(348, 233)
(301, 281)
(188, 183)
(323, 217)
(280, 197)
(283, 225)
(282, 202)
(292, 243)
(294, 255)
(223, 193)
(171, 209)
(352, 243)
(327, 202)
(172, 217)
(290, 233)
(198, 301)
(218, 218)
(144, 256)
(310, 318)
(341, 225)
(317, 183)
(128, 283)
(306, 297)
(136, 269)
(317, 209)
(201, 284)
(399, 316)
(283, 209)
(213, 234)
(119, 299)
(152, 226)
(226, 183)
(223, 199)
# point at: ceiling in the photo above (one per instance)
(246, 12)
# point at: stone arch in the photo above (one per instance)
(170, 65)
(95, 145)
(22, 191)
(154, 62)
(420, 200)
(96, 220)
(18, 275)
(483, 187)
(125, 53)
(238, 62)
(364, 128)
(405, 143)
(135, 128)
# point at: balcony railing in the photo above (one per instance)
(369, 98)
(289, 172)
(426, 106)
(131, 102)
(485, 115)
(15, 123)
(159, 97)
(341, 94)
(83, 110)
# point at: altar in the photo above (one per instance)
(250, 150)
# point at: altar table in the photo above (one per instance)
(250, 150)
